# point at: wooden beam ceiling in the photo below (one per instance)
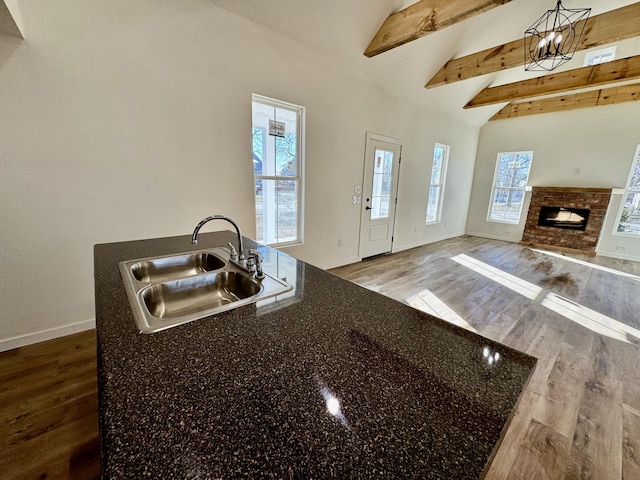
(595, 98)
(7, 23)
(428, 16)
(610, 72)
(422, 18)
(608, 27)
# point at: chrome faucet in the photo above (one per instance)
(239, 254)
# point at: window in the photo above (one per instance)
(629, 215)
(509, 183)
(436, 185)
(277, 141)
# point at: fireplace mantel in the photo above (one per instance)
(572, 189)
(595, 200)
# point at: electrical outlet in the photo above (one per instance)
(339, 241)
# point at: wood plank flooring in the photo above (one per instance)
(579, 418)
(49, 410)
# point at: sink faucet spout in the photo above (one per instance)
(194, 236)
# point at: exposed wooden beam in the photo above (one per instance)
(422, 18)
(610, 72)
(7, 22)
(596, 98)
(608, 27)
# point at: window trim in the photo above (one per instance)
(442, 181)
(627, 191)
(300, 167)
(494, 186)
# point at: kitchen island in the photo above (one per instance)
(329, 380)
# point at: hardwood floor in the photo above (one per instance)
(579, 418)
(49, 410)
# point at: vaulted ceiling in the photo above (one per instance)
(461, 57)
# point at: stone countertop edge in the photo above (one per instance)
(330, 381)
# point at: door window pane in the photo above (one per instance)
(382, 178)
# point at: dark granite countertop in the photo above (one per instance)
(329, 381)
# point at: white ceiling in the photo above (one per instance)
(342, 29)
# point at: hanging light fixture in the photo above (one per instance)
(553, 38)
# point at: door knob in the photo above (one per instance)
(367, 207)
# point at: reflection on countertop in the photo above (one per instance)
(328, 380)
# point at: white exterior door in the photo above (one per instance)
(379, 193)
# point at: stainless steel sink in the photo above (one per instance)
(167, 268)
(175, 289)
(195, 294)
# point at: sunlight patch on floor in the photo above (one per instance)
(429, 303)
(512, 282)
(587, 264)
(574, 311)
(588, 318)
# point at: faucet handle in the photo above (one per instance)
(233, 255)
(255, 257)
(251, 264)
(256, 253)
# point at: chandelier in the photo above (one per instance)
(553, 38)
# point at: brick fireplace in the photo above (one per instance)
(566, 218)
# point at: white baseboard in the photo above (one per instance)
(44, 335)
(396, 249)
(339, 263)
(618, 255)
(421, 243)
(494, 237)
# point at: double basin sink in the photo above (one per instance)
(171, 290)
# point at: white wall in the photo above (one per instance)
(126, 120)
(582, 148)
